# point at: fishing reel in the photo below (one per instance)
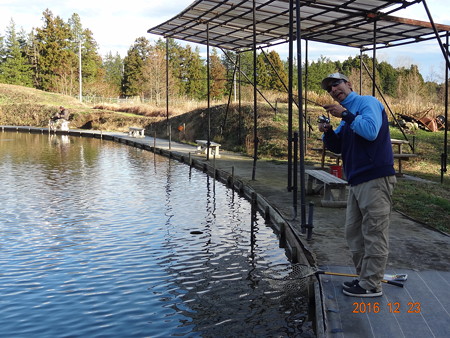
(323, 119)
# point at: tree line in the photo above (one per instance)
(47, 58)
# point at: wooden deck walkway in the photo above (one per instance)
(420, 309)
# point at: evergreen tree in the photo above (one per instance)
(32, 54)
(113, 72)
(92, 71)
(263, 72)
(177, 64)
(317, 71)
(15, 68)
(247, 67)
(133, 67)
(278, 76)
(2, 50)
(56, 58)
(91, 62)
(388, 79)
(196, 84)
(230, 61)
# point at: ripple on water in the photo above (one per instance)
(100, 239)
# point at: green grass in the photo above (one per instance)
(426, 202)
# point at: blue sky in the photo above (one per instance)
(116, 24)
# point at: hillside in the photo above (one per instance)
(23, 106)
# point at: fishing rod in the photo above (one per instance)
(322, 118)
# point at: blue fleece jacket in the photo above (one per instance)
(363, 140)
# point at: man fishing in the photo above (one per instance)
(363, 140)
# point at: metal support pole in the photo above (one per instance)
(167, 87)
(80, 76)
(290, 96)
(255, 99)
(360, 72)
(295, 176)
(208, 143)
(300, 116)
(306, 94)
(167, 80)
(444, 156)
(374, 57)
(240, 100)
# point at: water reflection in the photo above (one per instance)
(96, 239)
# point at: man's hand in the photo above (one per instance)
(324, 127)
(334, 109)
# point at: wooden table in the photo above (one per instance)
(399, 154)
(327, 182)
(136, 132)
(202, 147)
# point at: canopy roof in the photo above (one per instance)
(341, 22)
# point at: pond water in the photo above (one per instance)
(101, 239)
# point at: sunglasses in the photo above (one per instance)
(334, 84)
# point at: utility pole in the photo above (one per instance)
(80, 78)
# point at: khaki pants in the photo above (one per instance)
(367, 228)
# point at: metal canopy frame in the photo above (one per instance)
(340, 22)
(248, 25)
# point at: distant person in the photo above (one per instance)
(363, 140)
(62, 114)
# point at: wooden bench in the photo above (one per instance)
(136, 132)
(402, 157)
(318, 179)
(202, 147)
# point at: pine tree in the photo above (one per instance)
(113, 72)
(91, 62)
(2, 50)
(263, 72)
(229, 60)
(246, 65)
(317, 71)
(278, 76)
(32, 54)
(133, 67)
(196, 84)
(15, 68)
(56, 69)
